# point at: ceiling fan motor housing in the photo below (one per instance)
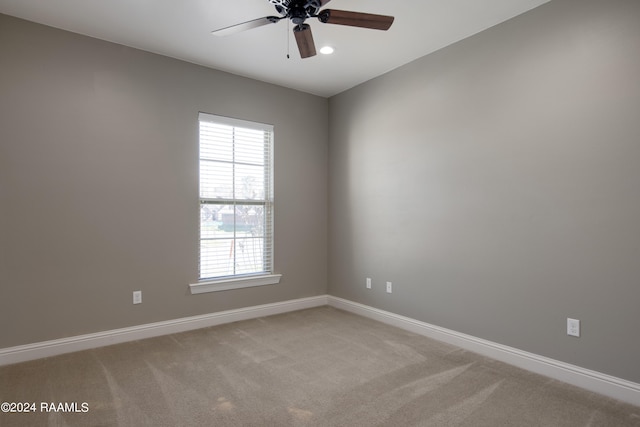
(297, 10)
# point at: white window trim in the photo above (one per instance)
(240, 281)
(229, 283)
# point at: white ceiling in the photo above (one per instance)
(182, 29)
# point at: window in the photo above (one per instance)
(236, 204)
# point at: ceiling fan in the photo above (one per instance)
(298, 11)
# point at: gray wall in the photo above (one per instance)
(99, 184)
(496, 183)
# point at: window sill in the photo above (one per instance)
(234, 283)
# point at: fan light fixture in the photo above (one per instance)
(326, 50)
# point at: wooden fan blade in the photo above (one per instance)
(356, 19)
(255, 23)
(304, 38)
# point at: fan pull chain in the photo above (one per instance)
(288, 38)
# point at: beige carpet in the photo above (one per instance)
(317, 367)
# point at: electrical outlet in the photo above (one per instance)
(389, 287)
(368, 282)
(573, 327)
(137, 297)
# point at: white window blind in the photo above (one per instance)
(236, 198)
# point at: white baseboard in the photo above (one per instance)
(597, 382)
(39, 350)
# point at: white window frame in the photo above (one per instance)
(238, 281)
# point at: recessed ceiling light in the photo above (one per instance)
(326, 50)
